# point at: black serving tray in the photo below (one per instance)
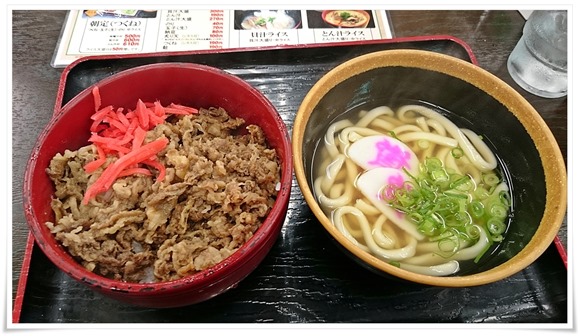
(305, 278)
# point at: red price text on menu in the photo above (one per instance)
(131, 40)
(217, 29)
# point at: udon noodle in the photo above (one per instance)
(452, 206)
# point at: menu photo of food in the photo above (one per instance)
(120, 13)
(267, 19)
(340, 18)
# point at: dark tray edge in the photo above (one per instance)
(23, 279)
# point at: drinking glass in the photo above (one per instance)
(539, 61)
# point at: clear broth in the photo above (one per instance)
(468, 266)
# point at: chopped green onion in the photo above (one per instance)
(472, 232)
(426, 206)
(444, 235)
(476, 208)
(463, 236)
(345, 15)
(504, 197)
(492, 189)
(449, 207)
(423, 144)
(439, 176)
(405, 199)
(395, 263)
(463, 218)
(490, 179)
(400, 208)
(497, 210)
(392, 135)
(410, 175)
(496, 226)
(433, 164)
(482, 253)
(416, 217)
(428, 227)
(437, 219)
(428, 194)
(448, 245)
(457, 152)
(460, 181)
(481, 193)
(456, 195)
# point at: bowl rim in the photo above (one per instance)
(208, 277)
(551, 156)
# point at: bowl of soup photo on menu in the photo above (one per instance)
(170, 189)
(426, 168)
(267, 19)
(346, 18)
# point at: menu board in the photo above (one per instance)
(129, 31)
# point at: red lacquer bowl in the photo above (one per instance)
(187, 84)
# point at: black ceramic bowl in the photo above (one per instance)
(472, 98)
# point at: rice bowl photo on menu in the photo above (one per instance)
(267, 19)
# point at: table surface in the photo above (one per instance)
(490, 34)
